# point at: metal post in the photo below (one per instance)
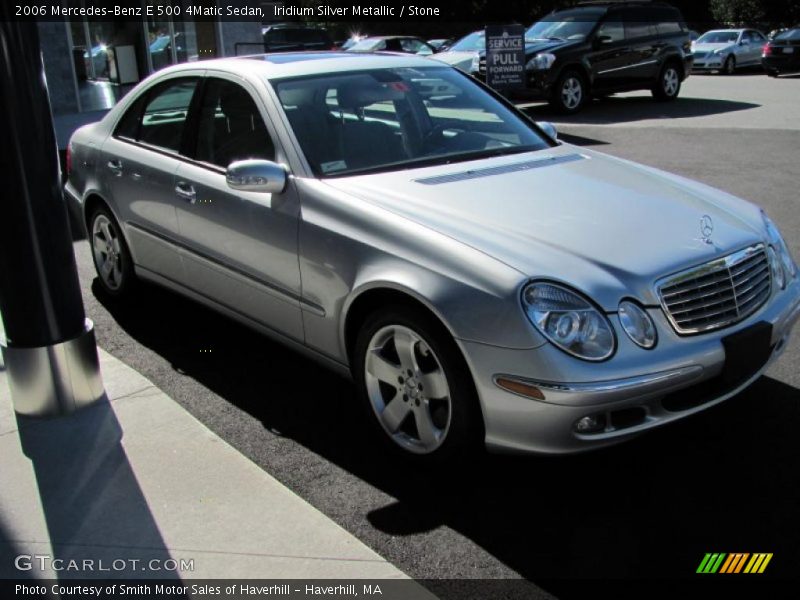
(49, 350)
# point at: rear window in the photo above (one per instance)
(792, 34)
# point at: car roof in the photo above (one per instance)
(290, 64)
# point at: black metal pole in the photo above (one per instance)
(49, 347)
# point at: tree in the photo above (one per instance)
(737, 13)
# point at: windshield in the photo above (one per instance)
(367, 45)
(390, 119)
(473, 42)
(563, 27)
(718, 37)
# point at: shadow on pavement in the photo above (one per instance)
(639, 108)
(92, 503)
(726, 480)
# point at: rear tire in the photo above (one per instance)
(111, 255)
(668, 85)
(772, 73)
(415, 386)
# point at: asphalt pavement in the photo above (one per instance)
(726, 480)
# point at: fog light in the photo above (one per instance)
(590, 424)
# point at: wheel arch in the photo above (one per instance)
(372, 296)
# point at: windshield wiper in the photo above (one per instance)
(444, 159)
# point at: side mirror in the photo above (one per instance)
(548, 128)
(255, 175)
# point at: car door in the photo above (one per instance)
(610, 57)
(757, 41)
(642, 37)
(239, 248)
(139, 163)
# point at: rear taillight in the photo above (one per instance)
(766, 50)
(68, 159)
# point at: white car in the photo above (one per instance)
(463, 55)
(726, 50)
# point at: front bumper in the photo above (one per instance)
(634, 391)
(713, 62)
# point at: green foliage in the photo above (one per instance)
(737, 13)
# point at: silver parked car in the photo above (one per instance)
(726, 50)
(481, 281)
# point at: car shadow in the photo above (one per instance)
(725, 480)
(628, 109)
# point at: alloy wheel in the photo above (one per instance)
(571, 93)
(670, 81)
(407, 389)
(107, 251)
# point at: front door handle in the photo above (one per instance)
(115, 166)
(185, 191)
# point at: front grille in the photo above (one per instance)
(699, 54)
(718, 293)
(482, 65)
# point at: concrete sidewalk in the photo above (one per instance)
(139, 478)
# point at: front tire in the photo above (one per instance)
(112, 258)
(569, 93)
(729, 68)
(415, 386)
(668, 85)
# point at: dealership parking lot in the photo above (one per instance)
(725, 480)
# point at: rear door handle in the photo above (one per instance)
(185, 191)
(115, 166)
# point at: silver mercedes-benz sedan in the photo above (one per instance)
(481, 281)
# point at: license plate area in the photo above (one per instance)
(788, 50)
(746, 352)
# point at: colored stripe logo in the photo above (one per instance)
(736, 562)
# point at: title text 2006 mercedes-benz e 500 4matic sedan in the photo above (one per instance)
(482, 282)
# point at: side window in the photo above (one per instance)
(638, 24)
(165, 114)
(668, 21)
(128, 126)
(613, 30)
(231, 127)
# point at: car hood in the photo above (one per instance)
(607, 226)
(710, 47)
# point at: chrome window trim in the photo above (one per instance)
(721, 265)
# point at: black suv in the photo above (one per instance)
(290, 37)
(596, 49)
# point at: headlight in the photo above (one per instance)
(541, 62)
(475, 65)
(777, 241)
(569, 321)
(637, 324)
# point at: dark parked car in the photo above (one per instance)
(393, 43)
(290, 37)
(782, 53)
(599, 49)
